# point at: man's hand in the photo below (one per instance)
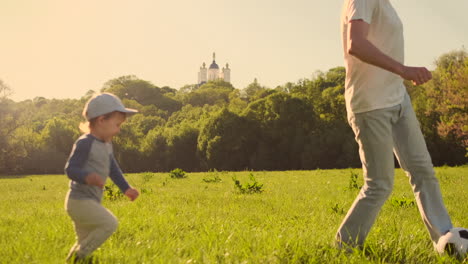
(94, 179)
(132, 193)
(418, 75)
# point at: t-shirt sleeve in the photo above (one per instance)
(77, 160)
(117, 176)
(361, 9)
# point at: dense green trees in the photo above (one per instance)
(143, 92)
(442, 108)
(300, 125)
(286, 124)
(9, 123)
(225, 141)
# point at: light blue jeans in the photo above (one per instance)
(93, 224)
(381, 133)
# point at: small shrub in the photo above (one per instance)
(249, 187)
(353, 185)
(177, 174)
(213, 179)
(165, 182)
(147, 176)
(146, 191)
(112, 192)
(337, 209)
(402, 202)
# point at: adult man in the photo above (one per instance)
(383, 120)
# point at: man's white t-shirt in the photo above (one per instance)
(369, 87)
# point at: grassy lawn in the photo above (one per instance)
(189, 220)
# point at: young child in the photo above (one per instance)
(90, 163)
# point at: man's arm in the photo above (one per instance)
(360, 47)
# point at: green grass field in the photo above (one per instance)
(192, 221)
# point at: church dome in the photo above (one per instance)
(214, 65)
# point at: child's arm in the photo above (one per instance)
(117, 177)
(76, 161)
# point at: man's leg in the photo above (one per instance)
(373, 132)
(414, 158)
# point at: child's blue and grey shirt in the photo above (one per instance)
(90, 154)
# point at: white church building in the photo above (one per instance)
(214, 73)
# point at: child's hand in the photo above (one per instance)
(132, 193)
(94, 179)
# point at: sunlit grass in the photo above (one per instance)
(193, 221)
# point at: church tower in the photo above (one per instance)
(226, 73)
(213, 71)
(202, 74)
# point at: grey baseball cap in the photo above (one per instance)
(104, 103)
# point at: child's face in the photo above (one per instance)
(111, 126)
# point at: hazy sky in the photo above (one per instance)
(63, 48)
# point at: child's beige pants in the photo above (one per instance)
(93, 225)
(380, 134)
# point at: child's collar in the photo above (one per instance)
(96, 138)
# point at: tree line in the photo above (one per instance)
(295, 126)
